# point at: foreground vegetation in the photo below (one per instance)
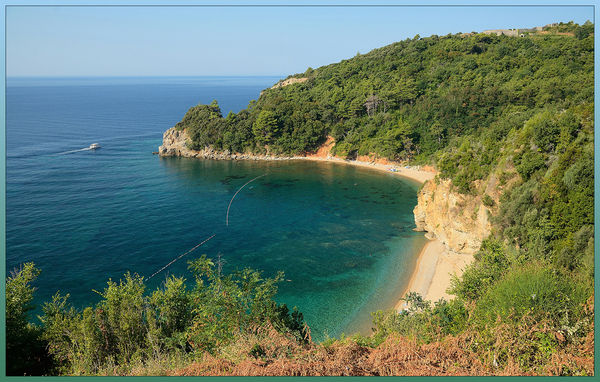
(230, 325)
(130, 330)
(504, 115)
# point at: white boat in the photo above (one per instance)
(94, 146)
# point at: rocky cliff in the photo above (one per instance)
(175, 145)
(289, 81)
(459, 221)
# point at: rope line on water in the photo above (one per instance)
(234, 195)
(226, 222)
(179, 257)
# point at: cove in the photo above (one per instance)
(342, 234)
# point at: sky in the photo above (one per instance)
(228, 41)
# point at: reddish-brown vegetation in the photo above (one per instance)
(396, 356)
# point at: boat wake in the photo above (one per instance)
(93, 146)
(74, 151)
(50, 149)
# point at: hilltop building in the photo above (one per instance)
(517, 32)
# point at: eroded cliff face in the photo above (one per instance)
(174, 144)
(459, 221)
(289, 81)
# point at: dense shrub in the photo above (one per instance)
(537, 290)
(421, 319)
(488, 201)
(128, 327)
(25, 350)
(489, 265)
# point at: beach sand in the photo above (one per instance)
(435, 264)
(422, 277)
(448, 264)
(433, 272)
(418, 174)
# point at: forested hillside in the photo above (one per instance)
(518, 111)
(474, 105)
(411, 99)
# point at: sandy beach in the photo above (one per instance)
(435, 264)
(422, 277)
(433, 272)
(419, 174)
(414, 173)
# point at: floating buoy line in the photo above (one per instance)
(234, 195)
(180, 256)
(213, 235)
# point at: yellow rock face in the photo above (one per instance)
(459, 221)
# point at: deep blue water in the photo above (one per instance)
(342, 235)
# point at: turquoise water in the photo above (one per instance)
(342, 235)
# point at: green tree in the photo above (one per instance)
(266, 127)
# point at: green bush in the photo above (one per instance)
(544, 130)
(128, 328)
(537, 290)
(529, 163)
(488, 201)
(115, 331)
(421, 319)
(25, 350)
(489, 265)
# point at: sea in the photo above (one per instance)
(343, 235)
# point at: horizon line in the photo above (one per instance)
(142, 76)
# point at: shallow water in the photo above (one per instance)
(342, 234)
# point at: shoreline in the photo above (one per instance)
(414, 173)
(422, 277)
(433, 272)
(434, 266)
(174, 144)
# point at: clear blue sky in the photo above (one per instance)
(187, 41)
